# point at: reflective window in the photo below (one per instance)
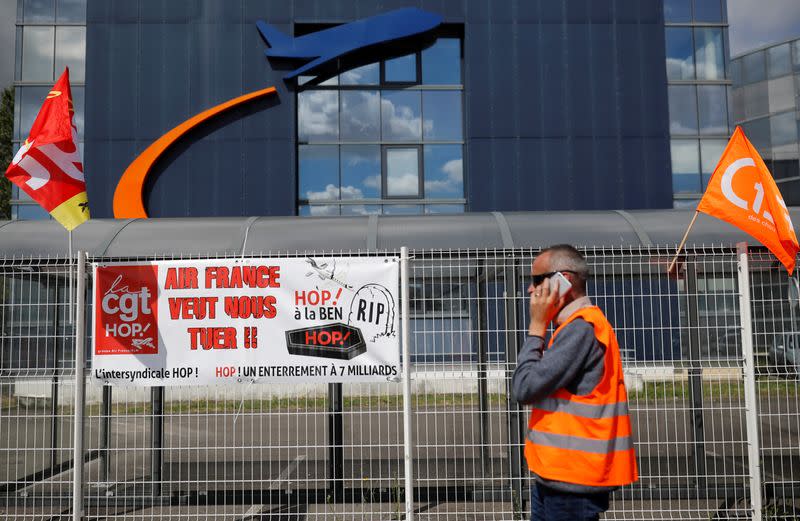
(442, 112)
(709, 11)
(685, 166)
(782, 169)
(709, 54)
(376, 139)
(71, 11)
(797, 88)
(441, 62)
(361, 171)
(731, 124)
(783, 132)
(682, 109)
(37, 53)
(778, 61)
(78, 99)
(18, 54)
(781, 94)
(44, 47)
(324, 210)
(17, 111)
(402, 69)
(360, 115)
(29, 212)
(400, 116)
(444, 176)
(31, 101)
(680, 53)
(71, 52)
(333, 81)
(710, 152)
(758, 132)
(402, 172)
(736, 72)
(318, 115)
(754, 67)
(756, 100)
(685, 204)
(367, 75)
(737, 104)
(38, 11)
(796, 55)
(677, 11)
(713, 109)
(319, 172)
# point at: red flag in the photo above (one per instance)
(48, 166)
(742, 192)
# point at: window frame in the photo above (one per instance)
(385, 172)
(315, 83)
(417, 71)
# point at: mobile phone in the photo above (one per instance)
(560, 281)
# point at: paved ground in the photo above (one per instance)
(286, 450)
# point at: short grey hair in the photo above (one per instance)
(565, 257)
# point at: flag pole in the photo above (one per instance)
(71, 281)
(683, 241)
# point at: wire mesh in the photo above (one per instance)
(776, 338)
(335, 451)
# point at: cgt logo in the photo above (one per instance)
(728, 181)
(126, 310)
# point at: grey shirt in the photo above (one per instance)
(574, 362)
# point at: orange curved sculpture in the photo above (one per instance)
(128, 201)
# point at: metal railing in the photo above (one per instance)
(711, 360)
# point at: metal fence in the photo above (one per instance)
(711, 362)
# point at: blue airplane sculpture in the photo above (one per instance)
(326, 45)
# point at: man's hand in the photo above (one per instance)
(544, 307)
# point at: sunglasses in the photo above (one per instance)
(538, 279)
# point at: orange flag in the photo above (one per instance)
(48, 166)
(742, 192)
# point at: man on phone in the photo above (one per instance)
(579, 445)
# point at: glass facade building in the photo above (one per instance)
(766, 103)
(51, 35)
(696, 37)
(517, 107)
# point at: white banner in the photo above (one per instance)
(200, 322)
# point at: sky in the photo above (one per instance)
(755, 23)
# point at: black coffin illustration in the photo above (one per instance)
(336, 340)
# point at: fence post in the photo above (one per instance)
(482, 283)
(695, 373)
(335, 443)
(515, 418)
(105, 433)
(750, 395)
(80, 398)
(54, 420)
(156, 439)
(407, 434)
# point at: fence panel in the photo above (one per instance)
(36, 386)
(776, 335)
(335, 451)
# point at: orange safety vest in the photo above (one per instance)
(586, 439)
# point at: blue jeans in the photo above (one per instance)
(551, 505)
